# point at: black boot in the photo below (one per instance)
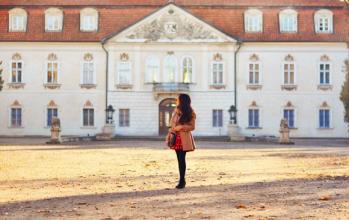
(181, 184)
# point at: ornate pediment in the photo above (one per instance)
(171, 24)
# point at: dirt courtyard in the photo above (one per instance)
(135, 180)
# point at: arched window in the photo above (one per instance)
(324, 116)
(152, 70)
(88, 115)
(323, 20)
(52, 73)
(288, 20)
(187, 70)
(51, 112)
(254, 67)
(254, 116)
(170, 68)
(289, 113)
(16, 115)
(16, 68)
(289, 70)
(53, 19)
(88, 70)
(88, 19)
(253, 20)
(17, 20)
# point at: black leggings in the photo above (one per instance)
(181, 164)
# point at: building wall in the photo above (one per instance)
(306, 100)
(34, 97)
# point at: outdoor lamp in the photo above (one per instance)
(232, 111)
(110, 111)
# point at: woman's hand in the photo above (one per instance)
(178, 128)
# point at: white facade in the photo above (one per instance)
(210, 85)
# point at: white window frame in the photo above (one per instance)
(283, 73)
(217, 126)
(149, 77)
(82, 117)
(294, 116)
(82, 72)
(46, 72)
(259, 73)
(118, 75)
(92, 13)
(10, 116)
(11, 69)
(288, 18)
(223, 72)
(166, 65)
(321, 14)
(14, 16)
(192, 69)
(253, 19)
(53, 15)
(319, 72)
(259, 117)
(124, 125)
(330, 117)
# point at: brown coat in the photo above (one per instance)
(185, 133)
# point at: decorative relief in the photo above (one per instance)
(324, 105)
(16, 104)
(88, 104)
(254, 57)
(289, 104)
(254, 104)
(16, 56)
(88, 57)
(124, 57)
(16, 85)
(172, 25)
(254, 87)
(325, 87)
(289, 57)
(52, 85)
(52, 57)
(52, 104)
(325, 58)
(217, 57)
(289, 87)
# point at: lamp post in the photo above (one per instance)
(232, 112)
(110, 112)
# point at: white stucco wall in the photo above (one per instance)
(34, 97)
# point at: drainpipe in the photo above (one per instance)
(239, 44)
(106, 80)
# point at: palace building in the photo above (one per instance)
(270, 59)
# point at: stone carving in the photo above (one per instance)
(124, 57)
(217, 57)
(289, 58)
(88, 57)
(170, 26)
(55, 131)
(284, 132)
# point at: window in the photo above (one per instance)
(51, 113)
(88, 70)
(52, 69)
(88, 117)
(289, 115)
(152, 70)
(17, 20)
(253, 70)
(288, 21)
(170, 68)
(16, 117)
(88, 19)
(324, 118)
(124, 73)
(323, 21)
(124, 117)
(187, 70)
(289, 73)
(217, 118)
(253, 21)
(324, 73)
(53, 19)
(16, 69)
(253, 118)
(217, 73)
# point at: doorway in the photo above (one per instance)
(166, 108)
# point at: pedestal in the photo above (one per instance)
(108, 131)
(55, 137)
(234, 133)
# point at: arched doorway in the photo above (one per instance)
(166, 108)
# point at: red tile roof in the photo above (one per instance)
(225, 15)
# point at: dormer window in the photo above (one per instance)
(288, 21)
(17, 20)
(89, 19)
(53, 20)
(323, 21)
(253, 20)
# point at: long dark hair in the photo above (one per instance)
(184, 106)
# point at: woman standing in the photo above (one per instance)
(182, 123)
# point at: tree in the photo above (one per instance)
(345, 92)
(1, 80)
